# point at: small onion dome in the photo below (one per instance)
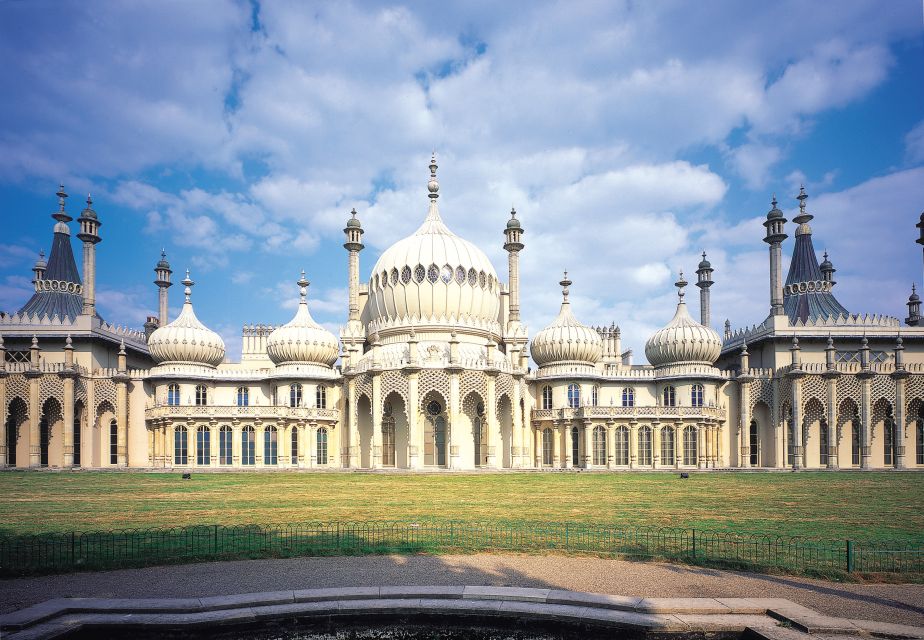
(513, 223)
(40, 264)
(566, 339)
(914, 297)
(162, 263)
(775, 212)
(353, 221)
(88, 212)
(704, 264)
(683, 340)
(186, 339)
(826, 265)
(302, 340)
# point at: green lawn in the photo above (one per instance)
(828, 505)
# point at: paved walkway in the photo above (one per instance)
(888, 603)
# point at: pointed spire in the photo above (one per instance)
(61, 215)
(303, 288)
(565, 284)
(188, 283)
(803, 218)
(680, 284)
(433, 186)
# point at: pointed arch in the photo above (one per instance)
(17, 415)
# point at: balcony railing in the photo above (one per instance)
(663, 413)
(233, 411)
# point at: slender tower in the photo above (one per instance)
(163, 271)
(775, 236)
(354, 244)
(89, 235)
(514, 244)
(827, 272)
(39, 269)
(704, 281)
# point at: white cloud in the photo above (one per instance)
(753, 161)
(914, 143)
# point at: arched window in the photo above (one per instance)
(114, 442)
(574, 396)
(293, 453)
(755, 444)
(669, 397)
(888, 442)
(621, 449)
(248, 446)
(243, 397)
(295, 395)
(76, 435)
(696, 395)
(546, 397)
(575, 447)
(823, 443)
(388, 441)
(599, 445)
(173, 395)
(322, 446)
(180, 446)
(667, 446)
(270, 446)
(202, 395)
(595, 395)
(548, 447)
(44, 439)
(628, 397)
(920, 446)
(854, 443)
(225, 436)
(790, 436)
(644, 446)
(690, 452)
(203, 446)
(320, 397)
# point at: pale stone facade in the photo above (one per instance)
(431, 371)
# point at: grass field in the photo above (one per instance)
(875, 506)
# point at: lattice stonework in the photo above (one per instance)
(847, 410)
(882, 387)
(80, 389)
(364, 386)
(50, 386)
(761, 391)
(504, 387)
(814, 387)
(17, 387)
(848, 386)
(433, 380)
(104, 390)
(395, 382)
(473, 381)
(914, 388)
(470, 404)
(785, 397)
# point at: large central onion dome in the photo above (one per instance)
(302, 340)
(433, 277)
(683, 340)
(566, 341)
(186, 340)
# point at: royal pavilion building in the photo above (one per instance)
(433, 370)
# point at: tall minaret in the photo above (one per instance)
(39, 269)
(704, 281)
(514, 244)
(827, 271)
(163, 271)
(354, 244)
(775, 236)
(89, 235)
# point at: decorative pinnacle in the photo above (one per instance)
(773, 202)
(795, 344)
(565, 284)
(68, 343)
(801, 198)
(61, 215)
(830, 342)
(122, 347)
(188, 283)
(433, 186)
(680, 284)
(303, 287)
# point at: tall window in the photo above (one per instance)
(644, 446)
(295, 395)
(202, 395)
(114, 442)
(823, 443)
(621, 449)
(203, 446)
(294, 446)
(920, 447)
(599, 451)
(248, 446)
(854, 443)
(173, 395)
(575, 447)
(76, 437)
(388, 441)
(574, 396)
(689, 445)
(270, 446)
(669, 397)
(628, 397)
(790, 438)
(754, 444)
(888, 442)
(180, 446)
(44, 437)
(546, 397)
(243, 397)
(322, 446)
(548, 446)
(594, 395)
(696, 395)
(667, 445)
(225, 446)
(320, 397)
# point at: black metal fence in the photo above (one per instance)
(75, 551)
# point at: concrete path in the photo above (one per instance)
(887, 603)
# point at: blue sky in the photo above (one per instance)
(629, 136)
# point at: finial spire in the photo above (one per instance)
(188, 283)
(433, 186)
(680, 284)
(303, 288)
(773, 201)
(61, 215)
(565, 284)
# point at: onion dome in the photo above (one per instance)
(40, 264)
(683, 340)
(774, 213)
(186, 340)
(513, 223)
(566, 340)
(302, 340)
(162, 263)
(704, 264)
(353, 221)
(433, 277)
(88, 211)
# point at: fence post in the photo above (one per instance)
(450, 533)
(215, 540)
(849, 556)
(338, 534)
(73, 558)
(694, 543)
(566, 536)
